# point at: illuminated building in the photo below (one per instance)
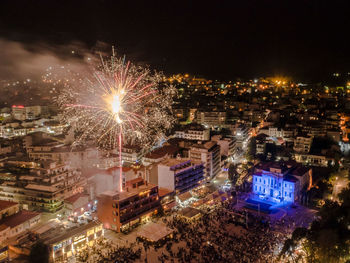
(242, 135)
(314, 159)
(160, 154)
(281, 182)
(177, 175)
(131, 154)
(193, 132)
(302, 144)
(40, 185)
(227, 145)
(287, 134)
(120, 210)
(211, 118)
(20, 112)
(17, 223)
(209, 154)
(63, 245)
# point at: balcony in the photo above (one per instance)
(136, 213)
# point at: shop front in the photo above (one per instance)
(65, 246)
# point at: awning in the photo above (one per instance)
(183, 197)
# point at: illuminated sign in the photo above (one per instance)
(79, 238)
(98, 228)
(57, 247)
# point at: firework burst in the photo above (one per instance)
(118, 102)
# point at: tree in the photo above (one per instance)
(233, 174)
(39, 253)
(270, 151)
(327, 239)
(251, 149)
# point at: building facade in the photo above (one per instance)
(64, 245)
(209, 154)
(120, 210)
(193, 132)
(278, 182)
(178, 175)
(44, 187)
(302, 144)
(211, 118)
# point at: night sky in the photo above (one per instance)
(305, 39)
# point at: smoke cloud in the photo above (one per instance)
(20, 61)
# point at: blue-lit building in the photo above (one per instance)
(280, 181)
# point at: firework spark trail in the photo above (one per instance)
(117, 102)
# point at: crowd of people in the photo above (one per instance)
(209, 239)
(105, 251)
(222, 234)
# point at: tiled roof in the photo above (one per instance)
(6, 204)
(161, 152)
(19, 218)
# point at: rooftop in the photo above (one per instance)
(162, 151)
(154, 232)
(164, 192)
(177, 164)
(6, 204)
(119, 196)
(19, 218)
(190, 212)
(207, 145)
(54, 237)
